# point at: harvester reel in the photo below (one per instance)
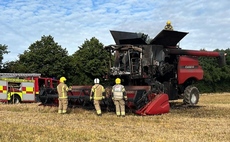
(191, 95)
(142, 99)
(44, 96)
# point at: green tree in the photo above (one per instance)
(3, 50)
(90, 61)
(12, 66)
(45, 57)
(216, 78)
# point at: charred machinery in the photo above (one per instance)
(153, 72)
(159, 64)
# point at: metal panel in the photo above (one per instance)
(27, 84)
(121, 37)
(28, 97)
(28, 93)
(168, 38)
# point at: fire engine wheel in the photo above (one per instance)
(15, 99)
(191, 95)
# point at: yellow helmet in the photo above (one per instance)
(118, 81)
(62, 79)
(168, 22)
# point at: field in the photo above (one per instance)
(209, 121)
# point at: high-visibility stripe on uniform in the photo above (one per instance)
(118, 113)
(98, 90)
(118, 91)
(98, 111)
(63, 92)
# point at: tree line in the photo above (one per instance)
(91, 61)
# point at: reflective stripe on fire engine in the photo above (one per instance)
(3, 90)
(28, 93)
(11, 94)
(16, 80)
(27, 90)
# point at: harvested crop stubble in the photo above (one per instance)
(207, 122)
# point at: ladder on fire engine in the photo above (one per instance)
(20, 75)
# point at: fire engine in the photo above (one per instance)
(24, 87)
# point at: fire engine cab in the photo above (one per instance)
(24, 87)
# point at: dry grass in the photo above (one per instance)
(208, 122)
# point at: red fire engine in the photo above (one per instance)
(23, 87)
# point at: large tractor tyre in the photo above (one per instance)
(15, 99)
(191, 95)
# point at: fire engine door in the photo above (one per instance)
(28, 93)
(3, 90)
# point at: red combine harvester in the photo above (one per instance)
(157, 70)
(153, 72)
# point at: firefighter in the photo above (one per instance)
(168, 26)
(119, 96)
(62, 89)
(97, 94)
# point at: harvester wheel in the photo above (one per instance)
(191, 95)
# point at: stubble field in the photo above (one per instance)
(209, 121)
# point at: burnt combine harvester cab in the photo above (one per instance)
(156, 70)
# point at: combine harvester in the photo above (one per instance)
(153, 72)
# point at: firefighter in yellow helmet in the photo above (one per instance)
(62, 89)
(97, 94)
(168, 26)
(118, 96)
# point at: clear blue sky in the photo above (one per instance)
(71, 22)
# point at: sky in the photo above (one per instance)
(72, 22)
